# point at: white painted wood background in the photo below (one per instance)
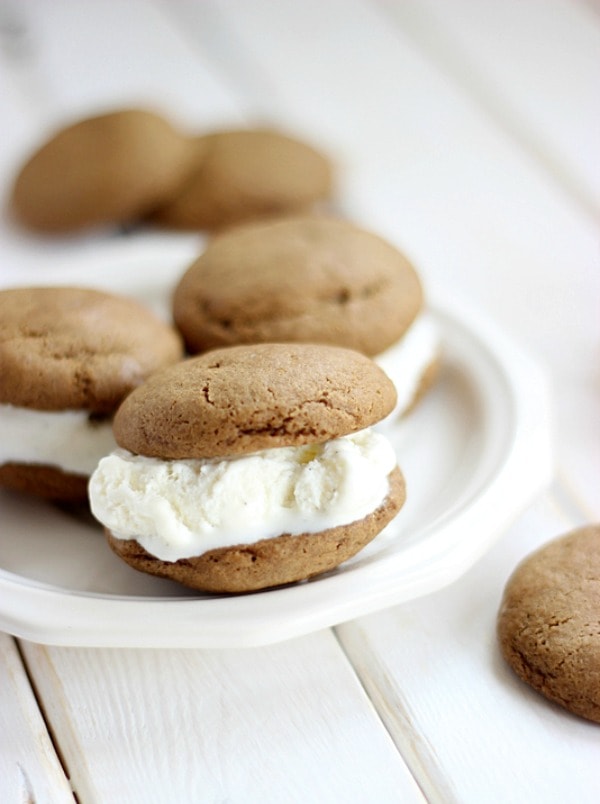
(468, 132)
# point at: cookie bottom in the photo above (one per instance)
(269, 562)
(426, 381)
(44, 481)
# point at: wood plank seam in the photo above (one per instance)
(438, 49)
(40, 705)
(418, 756)
(243, 76)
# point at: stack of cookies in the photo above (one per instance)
(240, 447)
(133, 165)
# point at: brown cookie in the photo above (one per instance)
(114, 167)
(247, 398)
(549, 621)
(69, 347)
(70, 350)
(270, 562)
(247, 174)
(304, 279)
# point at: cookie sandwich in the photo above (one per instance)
(311, 279)
(250, 467)
(68, 357)
(549, 621)
(246, 174)
(110, 168)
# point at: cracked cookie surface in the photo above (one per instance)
(247, 398)
(549, 621)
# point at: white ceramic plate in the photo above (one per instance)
(474, 453)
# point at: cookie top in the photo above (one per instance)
(303, 279)
(111, 168)
(73, 348)
(548, 624)
(248, 398)
(247, 174)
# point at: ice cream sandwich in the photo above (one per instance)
(312, 279)
(68, 357)
(250, 467)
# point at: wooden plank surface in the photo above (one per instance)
(286, 723)
(30, 770)
(533, 66)
(468, 728)
(485, 197)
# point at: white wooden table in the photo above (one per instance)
(468, 133)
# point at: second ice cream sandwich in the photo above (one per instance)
(312, 279)
(68, 357)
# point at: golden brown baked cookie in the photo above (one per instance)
(304, 279)
(247, 174)
(549, 621)
(113, 167)
(69, 347)
(247, 398)
(69, 350)
(250, 426)
(269, 562)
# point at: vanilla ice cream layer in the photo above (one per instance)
(179, 509)
(67, 440)
(406, 361)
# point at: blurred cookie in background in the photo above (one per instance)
(248, 174)
(109, 168)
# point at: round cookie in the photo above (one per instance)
(259, 436)
(549, 621)
(68, 357)
(304, 279)
(248, 398)
(114, 167)
(312, 279)
(247, 174)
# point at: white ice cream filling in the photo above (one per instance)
(178, 509)
(66, 440)
(407, 360)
